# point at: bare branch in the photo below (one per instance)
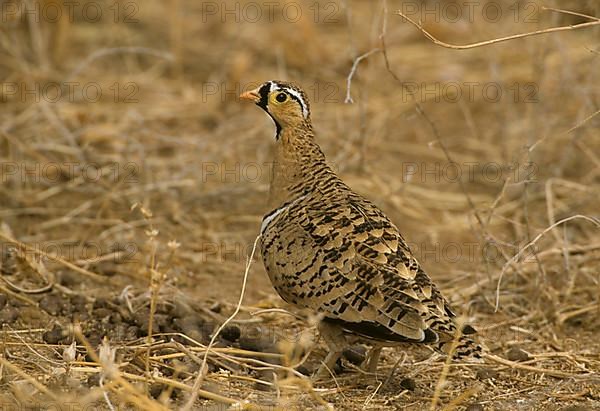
(348, 98)
(595, 22)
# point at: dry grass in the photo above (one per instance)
(515, 243)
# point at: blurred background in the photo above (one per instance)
(133, 181)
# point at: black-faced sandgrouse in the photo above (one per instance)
(328, 249)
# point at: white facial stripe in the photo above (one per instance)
(294, 93)
(300, 99)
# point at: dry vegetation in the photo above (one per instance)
(134, 212)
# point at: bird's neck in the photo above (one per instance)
(298, 166)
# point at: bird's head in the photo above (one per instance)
(285, 102)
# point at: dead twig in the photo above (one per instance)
(595, 22)
(516, 365)
(348, 99)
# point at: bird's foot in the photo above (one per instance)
(326, 368)
(370, 364)
(334, 338)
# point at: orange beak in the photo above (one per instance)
(251, 95)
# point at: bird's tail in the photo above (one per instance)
(465, 349)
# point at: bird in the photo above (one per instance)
(330, 250)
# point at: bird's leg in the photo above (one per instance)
(336, 343)
(373, 359)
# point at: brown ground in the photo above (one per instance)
(169, 136)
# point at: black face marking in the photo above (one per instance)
(264, 95)
(264, 102)
(277, 128)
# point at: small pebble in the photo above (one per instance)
(115, 318)
(517, 354)
(101, 313)
(159, 321)
(132, 333)
(408, 384)
(263, 387)
(79, 301)
(167, 371)
(142, 331)
(69, 279)
(93, 380)
(191, 327)
(55, 335)
(100, 303)
(168, 328)
(267, 376)
(7, 261)
(337, 368)
(231, 333)
(180, 309)
(156, 390)
(95, 339)
(355, 354)
(304, 370)
(486, 374)
(256, 340)
(216, 307)
(52, 304)
(8, 315)
(142, 319)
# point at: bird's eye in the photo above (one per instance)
(281, 97)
